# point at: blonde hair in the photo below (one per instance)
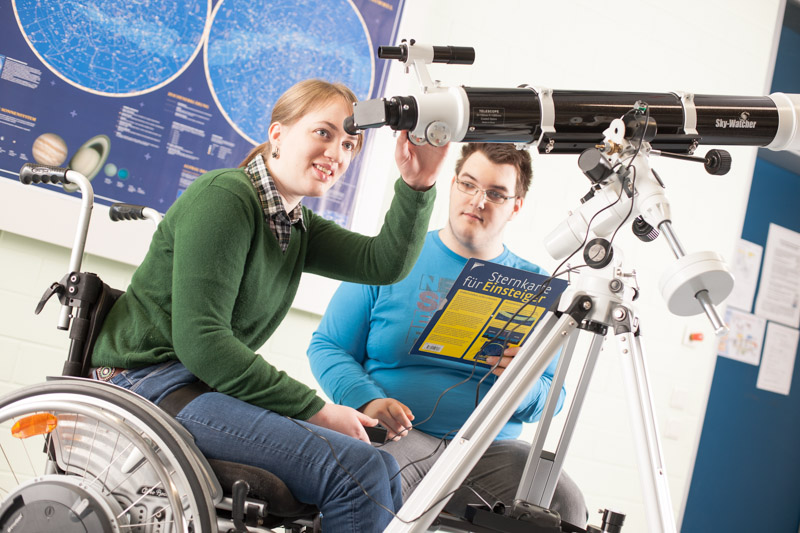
(298, 100)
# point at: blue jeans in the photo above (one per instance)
(232, 430)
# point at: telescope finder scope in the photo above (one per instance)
(451, 55)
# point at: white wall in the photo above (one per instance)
(703, 46)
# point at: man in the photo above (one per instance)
(360, 352)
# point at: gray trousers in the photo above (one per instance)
(495, 477)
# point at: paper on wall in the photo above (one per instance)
(779, 293)
(745, 266)
(777, 363)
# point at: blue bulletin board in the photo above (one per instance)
(143, 97)
(747, 470)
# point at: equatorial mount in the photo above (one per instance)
(624, 188)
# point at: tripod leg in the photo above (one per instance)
(480, 429)
(653, 476)
(543, 469)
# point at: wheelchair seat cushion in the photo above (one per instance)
(264, 486)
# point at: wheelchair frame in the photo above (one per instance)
(86, 455)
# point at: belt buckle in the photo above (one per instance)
(104, 373)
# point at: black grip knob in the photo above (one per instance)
(644, 231)
(718, 162)
(35, 173)
(121, 211)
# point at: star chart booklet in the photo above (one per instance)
(480, 312)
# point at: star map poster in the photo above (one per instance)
(143, 97)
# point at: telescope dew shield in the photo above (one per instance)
(788, 106)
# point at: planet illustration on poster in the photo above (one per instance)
(49, 149)
(89, 158)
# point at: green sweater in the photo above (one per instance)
(215, 285)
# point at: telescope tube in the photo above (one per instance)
(569, 122)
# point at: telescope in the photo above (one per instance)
(569, 122)
(615, 134)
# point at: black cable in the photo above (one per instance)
(545, 284)
(442, 440)
(644, 132)
(439, 398)
(630, 210)
(633, 179)
(547, 281)
(360, 486)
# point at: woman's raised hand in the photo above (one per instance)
(419, 164)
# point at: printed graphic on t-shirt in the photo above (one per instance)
(432, 292)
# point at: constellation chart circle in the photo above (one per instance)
(257, 49)
(114, 47)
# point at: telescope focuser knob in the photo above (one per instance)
(718, 162)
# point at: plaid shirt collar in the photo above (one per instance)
(280, 222)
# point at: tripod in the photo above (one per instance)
(597, 302)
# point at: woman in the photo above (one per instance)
(220, 275)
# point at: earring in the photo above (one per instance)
(276, 153)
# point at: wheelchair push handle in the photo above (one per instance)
(121, 211)
(35, 173)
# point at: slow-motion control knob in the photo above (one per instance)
(718, 162)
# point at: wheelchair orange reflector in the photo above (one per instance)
(32, 425)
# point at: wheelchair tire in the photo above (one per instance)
(114, 462)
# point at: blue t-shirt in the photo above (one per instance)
(360, 351)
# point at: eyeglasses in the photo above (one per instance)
(490, 195)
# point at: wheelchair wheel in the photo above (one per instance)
(79, 455)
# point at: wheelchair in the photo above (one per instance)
(84, 455)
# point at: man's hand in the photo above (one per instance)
(394, 416)
(419, 165)
(508, 355)
(343, 419)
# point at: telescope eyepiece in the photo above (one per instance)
(349, 126)
(393, 52)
